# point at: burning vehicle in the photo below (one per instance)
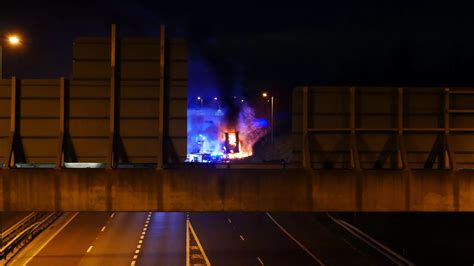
(212, 139)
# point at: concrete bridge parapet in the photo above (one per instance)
(290, 190)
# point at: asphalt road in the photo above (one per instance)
(227, 239)
(275, 239)
(117, 239)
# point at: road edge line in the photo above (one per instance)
(294, 239)
(199, 244)
(187, 241)
(381, 248)
(51, 238)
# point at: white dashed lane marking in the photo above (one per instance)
(140, 242)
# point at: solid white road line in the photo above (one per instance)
(206, 259)
(387, 252)
(51, 238)
(295, 240)
(187, 241)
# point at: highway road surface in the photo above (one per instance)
(160, 239)
(275, 239)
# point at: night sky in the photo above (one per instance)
(250, 47)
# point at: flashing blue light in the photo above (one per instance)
(261, 123)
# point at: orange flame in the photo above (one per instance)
(245, 146)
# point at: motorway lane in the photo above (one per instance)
(165, 242)
(227, 238)
(70, 245)
(255, 239)
(117, 243)
(116, 239)
(331, 247)
(220, 240)
(246, 239)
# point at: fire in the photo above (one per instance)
(211, 138)
(232, 138)
(236, 146)
(246, 133)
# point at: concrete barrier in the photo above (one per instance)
(384, 190)
(291, 190)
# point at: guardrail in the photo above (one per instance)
(10, 232)
(21, 237)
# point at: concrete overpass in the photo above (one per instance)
(236, 190)
(355, 148)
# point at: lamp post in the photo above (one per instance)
(12, 40)
(266, 95)
(200, 99)
(218, 103)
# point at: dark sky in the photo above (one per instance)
(265, 45)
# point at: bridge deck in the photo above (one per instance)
(235, 190)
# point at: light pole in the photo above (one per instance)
(12, 40)
(200, 99)
(265, 95)
(218, 103)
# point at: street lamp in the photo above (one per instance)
(11, 40)
(218, 103)
(266, 95)
(200, 99)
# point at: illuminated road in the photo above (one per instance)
(113, 239)
(256, 239)
(160, 239)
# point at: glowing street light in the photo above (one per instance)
(265, 95)
(11, 40)
(14, 40)
(200, 99)
(218, 103)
